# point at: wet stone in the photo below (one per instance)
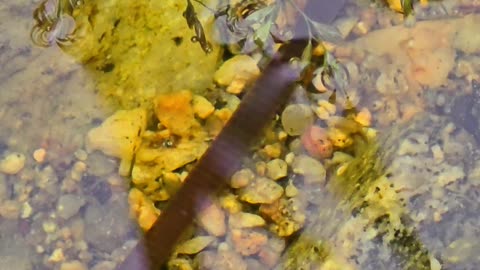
(261, 190)
(277, 169)
(100, 165)
(106, 226)
(69, 204)
(96, 187)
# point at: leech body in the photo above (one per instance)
(216, 166)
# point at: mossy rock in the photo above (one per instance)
(138, 48)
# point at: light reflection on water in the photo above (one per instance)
(50, 102)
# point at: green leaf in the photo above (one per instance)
(325, 32)
(262, 33)
(340, 74)
(307, 53)
(260, 15)
(407, 7)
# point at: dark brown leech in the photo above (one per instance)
(216, 166)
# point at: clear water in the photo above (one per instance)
(69, 207)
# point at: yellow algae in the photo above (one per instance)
(139, 48)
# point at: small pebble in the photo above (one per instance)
(77, 170)
(277, 169)
(245, 220)
(289, 158)
(212, 219)
(39, 155)
(242, 178)
(364, 117)
(261, 168)
(81, 154)
(27, 210)
(57, 256)
(311, 168)
(230, 203)
(49, 226)
(73, 265)
(12, 163)
(273, 150)
(68, 205)
(261, 190)
(291, 190)
(195, 245)
(10, 209)
(317, 143)
(282, 136)
(202, 107)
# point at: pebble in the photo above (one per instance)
(56, 256)
(261, 190)
(105, 226)
(325, 109)
(12, 163)
(10, 209)
(296, 118)
(309, 167)
(77, 170)
(289, 158)
(81, 154)
(273, 150)
(291, 190)
(27, 210)
(242, 178)
(364, 117)
(277, 169)
(39, 155)
(240, 66)
(248, 242)
(100, 165)
(261, 168)
(68, 205)
(317, 143)
(212, 220)
(202, 107)
(245, 220)
(195, 245)
(230, 203)
(49, 226)
(73, 265)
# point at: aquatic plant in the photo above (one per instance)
(54, 23)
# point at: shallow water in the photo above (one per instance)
(66, 206)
